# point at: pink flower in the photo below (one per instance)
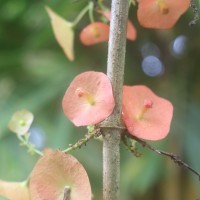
(58, 175)
(94, 33)
(89, 99)
(161, 14)
(146, 115)
(131, 31)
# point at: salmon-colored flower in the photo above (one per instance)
(59, 176)
(131, 31)
(89, 99)
(146, 115)
(161, 14)
(94, 33)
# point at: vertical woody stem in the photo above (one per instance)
(115, 71)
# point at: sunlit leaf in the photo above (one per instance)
(63, 32)
(14, 190)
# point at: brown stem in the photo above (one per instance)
(115, 71)
(195, 12)
(173, 157)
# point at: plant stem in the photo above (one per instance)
(173, 157)
(31, 147)
(82, 141)
(101, 5)
(82, 13)
(111, 127)
(91, 9)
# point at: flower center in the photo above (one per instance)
(147, 104)
(164, 8)
(22, 122)
(80, 92)
(96, 32)
(67, 193)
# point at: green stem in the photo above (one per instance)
(101, 6)
(80, 16)
(91, 9)
(30, 146)
(82, 141)
(133, 2)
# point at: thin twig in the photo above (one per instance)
(131, 147)
(83, 141)
(174, 157)
(196, 13)
(31, 147)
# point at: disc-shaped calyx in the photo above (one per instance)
(94, 33)
(59, 176)
(89, 99)
(146, 115)
(161, 14)
(131, 31)
(21, 122)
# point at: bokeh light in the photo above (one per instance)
(178, 46)
(37, 137)
(152, 66)
(150, 49)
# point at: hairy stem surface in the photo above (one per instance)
(111, 128)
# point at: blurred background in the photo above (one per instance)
(34, 74)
